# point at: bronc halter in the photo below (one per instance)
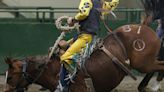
(25, 76)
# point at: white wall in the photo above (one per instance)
(64, 3)
(46, 3)
(6, 15)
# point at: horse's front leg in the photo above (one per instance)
(144, 82)
(157, 83)
(157, 66)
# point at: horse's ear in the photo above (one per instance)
(8, 60)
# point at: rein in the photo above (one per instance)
(27, 76)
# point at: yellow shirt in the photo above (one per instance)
(109, 6)
(86, 5)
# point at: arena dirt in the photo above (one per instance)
(127, 85)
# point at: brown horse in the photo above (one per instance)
(138, 43)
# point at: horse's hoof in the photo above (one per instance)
(156, 87)
(43, 89)
(142, 89)
(152, 90)
(115, 90)
(156, 90)
(57, 90)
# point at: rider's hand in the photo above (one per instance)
(71, 21)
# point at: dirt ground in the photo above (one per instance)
(127, 85)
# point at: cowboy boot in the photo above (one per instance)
(62, 84)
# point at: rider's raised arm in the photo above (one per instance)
(84, 9)
(110, 6)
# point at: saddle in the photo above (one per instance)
(85, 52)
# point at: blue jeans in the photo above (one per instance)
(63, 74)
(160, 32)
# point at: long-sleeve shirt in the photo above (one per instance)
(86, 5)
(90, 12)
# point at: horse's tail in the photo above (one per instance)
(146, 20)
(149, 10)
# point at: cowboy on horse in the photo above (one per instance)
(90, 12)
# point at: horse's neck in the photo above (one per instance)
(49, 72)
(43, 63)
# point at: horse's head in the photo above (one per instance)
(15, 79)
(33, 69)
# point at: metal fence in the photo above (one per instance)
(49, 14)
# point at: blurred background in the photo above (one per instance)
(27, 26)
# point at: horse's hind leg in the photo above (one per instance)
(144, 82)
(158, 66)
(153, 67)
(21, 90)
(157, 83)
(160, 76)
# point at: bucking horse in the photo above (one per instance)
(131, 46)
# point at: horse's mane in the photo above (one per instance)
(13, 58)
(38, 58)
(42, 59)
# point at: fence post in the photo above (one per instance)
(51, 15)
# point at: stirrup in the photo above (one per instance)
(59, 87)
(71, 76)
